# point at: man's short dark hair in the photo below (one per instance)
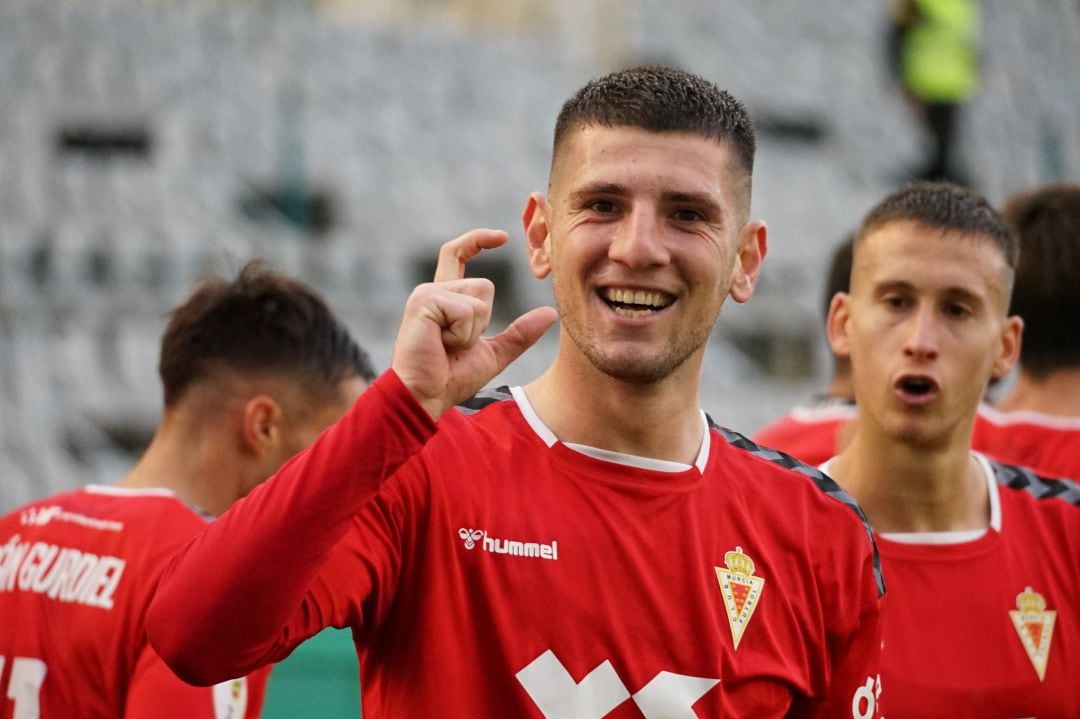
(839, 276)
(261, 322)
(1046, 292)
(660, 99)
(944, 206)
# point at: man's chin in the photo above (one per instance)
(635, 368)
(921, 437)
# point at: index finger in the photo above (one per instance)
(454, 254)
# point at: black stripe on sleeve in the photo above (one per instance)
(485, 397)
(1037, 486)
(823, 482)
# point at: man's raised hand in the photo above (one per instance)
(440, 353)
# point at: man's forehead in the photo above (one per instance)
(916, 254)
(577, 138)
(915, 239)
(697, 165)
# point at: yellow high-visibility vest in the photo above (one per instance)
(939, 55)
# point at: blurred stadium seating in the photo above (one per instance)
(142, 143)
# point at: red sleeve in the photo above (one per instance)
(854, 684)
(856, 680)
(156, 693)
(239, 591)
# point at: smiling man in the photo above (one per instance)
(980, 558)
(589, 545)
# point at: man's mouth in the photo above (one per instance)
(635, 303)
(916, 389)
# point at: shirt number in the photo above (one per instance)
(24, 686)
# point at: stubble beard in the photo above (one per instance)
(633, 367)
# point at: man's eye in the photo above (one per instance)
(957, 311)
(895, 302)
(686, 215)
(602, 206)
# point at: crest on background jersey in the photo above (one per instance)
(741, 591)
(230, 699)
(1035, 625)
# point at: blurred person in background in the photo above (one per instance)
(818, 430)
(253, 369)
(934, 54)
(980, 559)
(590, 544)
(1037, 424)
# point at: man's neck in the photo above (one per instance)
(196, 476)
(913, 489)
(1057, 394)
(660, 420)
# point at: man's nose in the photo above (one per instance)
(922, 338)
(639, 240)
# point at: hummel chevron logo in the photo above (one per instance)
(558, 696)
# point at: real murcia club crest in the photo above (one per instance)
(740, 589)
(1035, 625)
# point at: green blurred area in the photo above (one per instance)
(319, 679)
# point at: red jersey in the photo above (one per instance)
(489, 570)
(809, 433)
(987, 623)
(1048, 444)
(77, 571)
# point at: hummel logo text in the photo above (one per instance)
(509, 546)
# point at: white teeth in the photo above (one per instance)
(632, 313)
(637, 297)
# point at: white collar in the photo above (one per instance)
(658, 465)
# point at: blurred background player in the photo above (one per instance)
(934, 47)
(980, 558)
(1037, 424)
(816, 431)
(253, 370)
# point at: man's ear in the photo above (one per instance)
(535, 219)
(1012, 331)
(836, 327)
(753, 244)
(261, 424)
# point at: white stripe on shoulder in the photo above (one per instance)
(812, 414)
(1005, 419)
(129, 491)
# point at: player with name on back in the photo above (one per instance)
(590, 544)
(253, 369)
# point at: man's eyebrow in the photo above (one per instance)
(693, 198)
(951, 293)
(893, 286)
(612, 188)
(963, 294)
(598, 188)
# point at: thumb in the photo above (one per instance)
(520, 335)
